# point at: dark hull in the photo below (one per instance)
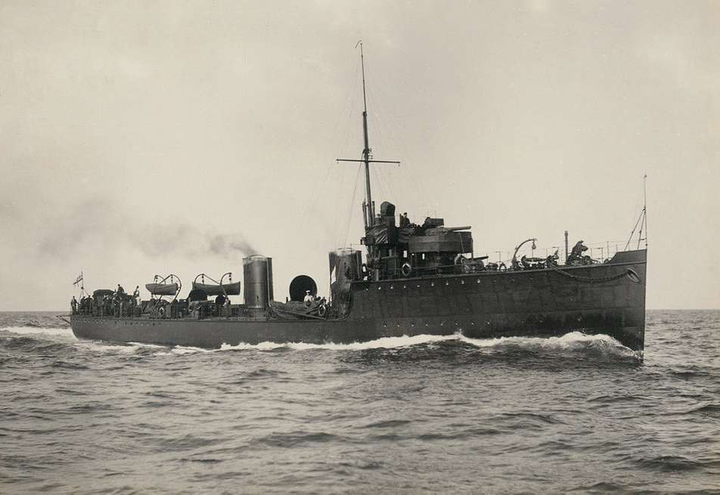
(596, 299)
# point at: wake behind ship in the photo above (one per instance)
(414, 278)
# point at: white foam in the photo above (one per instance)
(567, 341)
(101, 347)
(107, 347)
(61, 332)
(382, 343)
(179, 349)
(151, 346)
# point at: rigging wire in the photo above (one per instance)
(375, 173)
(417, 185)
(339, 196)
(352, 202)
(644, 211)
(390, 179)
(640, 221)
(351, 99)
(385, 183)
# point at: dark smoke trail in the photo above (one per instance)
(105, 226)
(225, 245)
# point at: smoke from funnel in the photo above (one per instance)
(224, 245)
(102, 225)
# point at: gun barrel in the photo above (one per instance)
(454, 229)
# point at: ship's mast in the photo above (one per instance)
(368, 207)
(369, 210)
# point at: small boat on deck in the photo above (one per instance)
(218, 289)
(162, 289)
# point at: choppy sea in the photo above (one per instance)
(404, 415)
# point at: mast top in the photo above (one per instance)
(368, 207)
(362, 65)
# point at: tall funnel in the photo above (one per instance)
(257, 271)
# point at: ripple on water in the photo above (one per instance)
(669, 463)
(298, 438)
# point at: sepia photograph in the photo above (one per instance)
(315, 246)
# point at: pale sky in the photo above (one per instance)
(151, 137)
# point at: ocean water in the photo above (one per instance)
(405, 415)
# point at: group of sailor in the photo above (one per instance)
(118, 304)
(84, 306)
(576, 257)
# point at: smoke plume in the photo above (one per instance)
(102, 225)
(226, 245)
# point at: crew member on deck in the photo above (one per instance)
(74, 305)
(577, 252)
(552, 259)
(136, 296)
(219, 304)
(308, 298)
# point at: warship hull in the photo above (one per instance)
(607, 298)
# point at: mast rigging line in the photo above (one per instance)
(388, 123)
(644, 211)
(379, 132)
(351, 209)
(641, 221)
(343, 128)
(375, 172)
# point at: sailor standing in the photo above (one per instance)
(74, 305)
(308, 298)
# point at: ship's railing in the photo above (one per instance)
(598, 251)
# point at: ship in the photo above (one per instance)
(412, 279)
